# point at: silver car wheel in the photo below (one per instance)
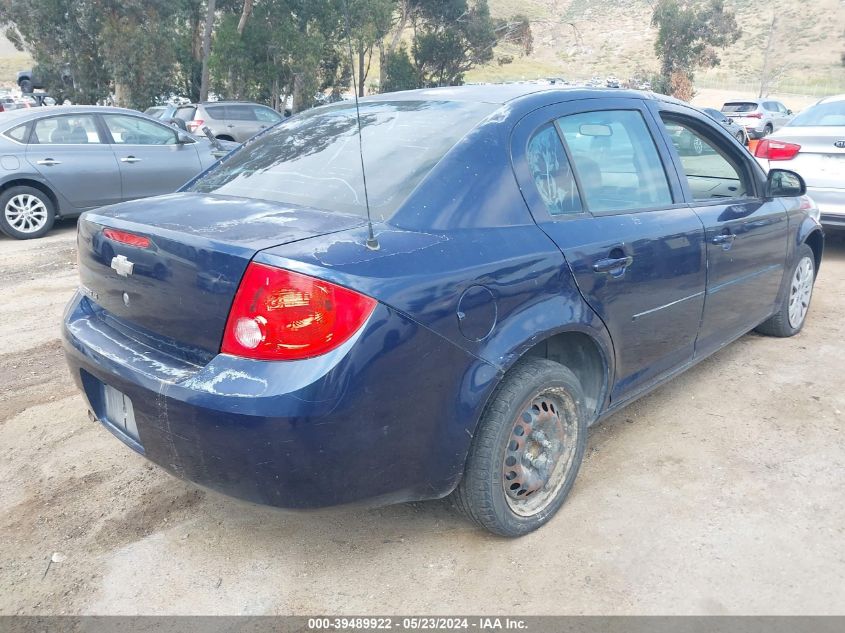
(801, 289)
(26, 213)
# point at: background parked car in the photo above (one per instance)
(813, 144)
(60, 162)
(736, 130)
(759, 117)
(227, 120)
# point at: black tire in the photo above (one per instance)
(42, 213)
(768, 129)
(741, 137)
(482, 493)
(781, 324)
(25, 85)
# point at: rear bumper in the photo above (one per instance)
(385, 418)
(831, 203)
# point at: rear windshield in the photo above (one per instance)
(313, 159)
(739, 107)
(825, 114)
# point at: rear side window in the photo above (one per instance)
(824, 115)
(313, 159)
(216, 112)
(240, 113)
(71, 129)
(18, 133)
(616, 160)
(552, 172)
(739, 106)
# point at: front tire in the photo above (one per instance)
(26, 213)
(527, 450)
(792, 313)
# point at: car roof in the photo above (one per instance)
(29, 114)
(831, 99)
(504, 93)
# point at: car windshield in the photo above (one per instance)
(313, 159)
(739, 107)
(823, 115)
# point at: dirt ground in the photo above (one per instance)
(721, 493)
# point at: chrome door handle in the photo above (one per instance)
(725, 240)
(49, 162)
(614, 265)
(130, 159)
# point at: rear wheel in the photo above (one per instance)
(792, 313)
(527, 451)
(768, 129)
(26, 212)
(740, 136)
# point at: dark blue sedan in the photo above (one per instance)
(539, 258)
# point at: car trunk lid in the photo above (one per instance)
(180, 286)
(821, 159)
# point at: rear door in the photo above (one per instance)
(152, 161)
(242, 122)
(596, 183)
(69, 152)
(746, 234)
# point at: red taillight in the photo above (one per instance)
(753, 115)
(776, 150)
(2, 109)
(194, 125)
(282, 315)
(125, 237)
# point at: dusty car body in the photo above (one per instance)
(538, 258)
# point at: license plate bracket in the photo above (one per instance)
(119, 412)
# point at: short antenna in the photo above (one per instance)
(372, 242)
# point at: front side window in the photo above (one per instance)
(313, 158)
(130, 130)
(71, 129)
(266, 115)
(552, 173)
(617, 161)
(712, 173)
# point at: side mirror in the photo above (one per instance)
(183, 138)
(782, 183)
(789, 111)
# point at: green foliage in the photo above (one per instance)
(689, 32)
(398, 72)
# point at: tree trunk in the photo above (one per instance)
(362, 73)
(764, 74)
(244, 16)
(298, 96)
(206, 49)
(121, 94)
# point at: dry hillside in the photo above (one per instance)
(582, 38)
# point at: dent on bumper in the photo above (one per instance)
(367, 422)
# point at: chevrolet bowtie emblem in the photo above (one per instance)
(122, 266)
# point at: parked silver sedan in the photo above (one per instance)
(59, 162)
(813, 144)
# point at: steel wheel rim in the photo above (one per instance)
(26, 213)
(540, 451)
(800, 292)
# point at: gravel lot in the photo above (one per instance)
(720, 493)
